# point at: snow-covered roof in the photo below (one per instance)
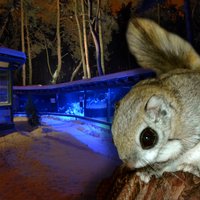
(125, 78)
(14, 57)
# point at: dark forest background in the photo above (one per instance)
(67, 40)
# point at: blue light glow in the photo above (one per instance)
(85, 98)
(98, 104)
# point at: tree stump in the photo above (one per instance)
(126, 185)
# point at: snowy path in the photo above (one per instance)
(49, 163)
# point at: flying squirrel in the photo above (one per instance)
(156, 126)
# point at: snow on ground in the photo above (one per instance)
(97, 138)
(61, 159)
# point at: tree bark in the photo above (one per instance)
(47, 57)
(101, 42)
(23, 42)
(59, 56)
(28, 50)
(80, 39)
(76, 71)
(95, 38)
(85, 41)
(125, 184)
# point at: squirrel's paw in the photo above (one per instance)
(144, 176)
(186, 167)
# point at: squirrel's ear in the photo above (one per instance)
(158, 49)
(156, 108)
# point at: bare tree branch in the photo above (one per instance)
(76, 71)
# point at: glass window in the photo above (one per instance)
(4, 87)
(72, 103)
(97, 104)
(5, 115)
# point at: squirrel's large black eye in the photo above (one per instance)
(148, 138)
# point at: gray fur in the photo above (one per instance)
(169, 104)
(159, 49)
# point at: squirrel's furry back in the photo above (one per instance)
(158, 49)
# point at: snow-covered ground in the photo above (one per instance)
(96, 136)
(61, 159)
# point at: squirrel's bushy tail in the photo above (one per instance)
(158, 49)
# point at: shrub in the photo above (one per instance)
(32, 113)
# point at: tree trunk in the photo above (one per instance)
(47, 57)
(76, 71)
(101, 42)
(28, 50)
(85, 41)
(59, 56)
(80, 39)
(95, 39)
(23, 43)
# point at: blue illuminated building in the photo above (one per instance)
(90, 98)
(9, 60)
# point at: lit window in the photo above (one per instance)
(4, 87)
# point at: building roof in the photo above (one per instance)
(125, 78)
(14, 57)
